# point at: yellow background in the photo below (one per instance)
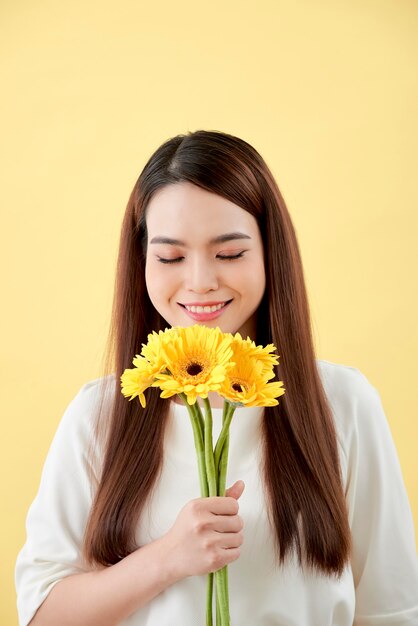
(326, 91)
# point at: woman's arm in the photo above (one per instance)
(206, 536)
(110, 595)
(384, 560)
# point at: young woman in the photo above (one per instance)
(316, 526)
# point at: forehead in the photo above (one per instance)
(184, 207)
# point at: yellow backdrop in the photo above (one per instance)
(325, 90)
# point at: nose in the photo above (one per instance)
(201, 276)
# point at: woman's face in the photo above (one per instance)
(191, 232)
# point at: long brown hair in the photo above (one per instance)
(301, 471)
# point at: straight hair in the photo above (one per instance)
(301, 472)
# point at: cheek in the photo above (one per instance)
(158, 284)
(149, 281)
(153, 280)
(256, 281)
(249, 277)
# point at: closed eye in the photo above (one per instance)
(220, 256)
(232, 256)
(161, 260)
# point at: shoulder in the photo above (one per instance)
(355, 403)
(343, 380)
(90, 396)
(347, 388)
(91, 392)
(90, 405)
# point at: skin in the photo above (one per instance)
(195, 216)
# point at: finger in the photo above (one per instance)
(235, 491)
(227, 523)
(222, 505)
(230, 540)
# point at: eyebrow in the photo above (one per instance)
(218, 239)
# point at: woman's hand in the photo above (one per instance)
(206, 534)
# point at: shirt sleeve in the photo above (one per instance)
(57, 517)
(384, 559)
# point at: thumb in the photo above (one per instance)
(236, 490)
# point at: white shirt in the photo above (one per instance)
(378, 588)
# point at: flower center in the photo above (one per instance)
(193, 369)
(239, 386)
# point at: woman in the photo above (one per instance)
(316, 526)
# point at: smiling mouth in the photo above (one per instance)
(205, 308)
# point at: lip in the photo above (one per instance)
(211, 303)
(203, 317)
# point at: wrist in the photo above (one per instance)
(169, 560)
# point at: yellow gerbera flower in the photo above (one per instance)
(197, 359)
(151, 351)
(246, 348)
(147, 364)
(134, 381)
(246, 383)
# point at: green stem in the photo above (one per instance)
(224, 416)
(196, 419)
(200, 418)
(212, 484)
(209, 594)
(221, 600)
(224, 577)
(221, 490)
(198, 432)
(207, 431)
(199, 445)
(210, 462)
(228, 413)
(223, 467)
(222, 471)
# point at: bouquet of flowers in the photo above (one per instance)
(191, 362)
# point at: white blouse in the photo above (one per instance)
(378, 588)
